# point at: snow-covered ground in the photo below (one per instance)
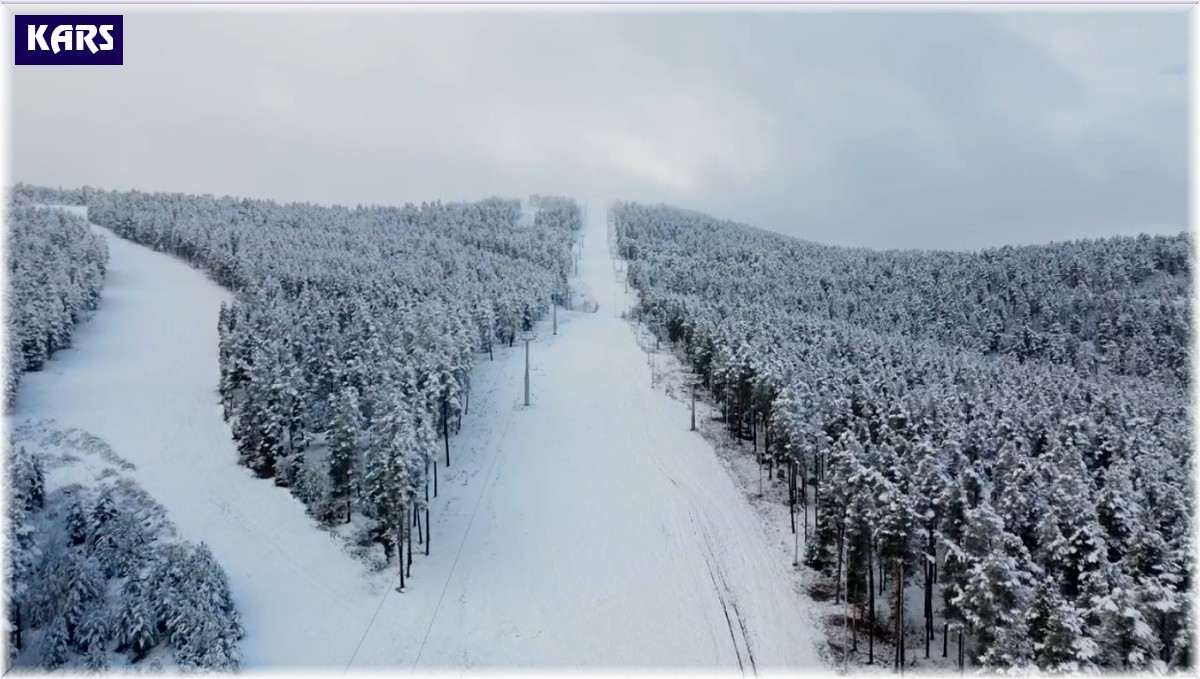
(608, 534)
(591, 528)
(142, 376)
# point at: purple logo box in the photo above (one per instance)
(68, 40)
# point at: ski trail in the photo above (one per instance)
(142, 375)
(590, 529)
(612, 535)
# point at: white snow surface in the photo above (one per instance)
(590, 529)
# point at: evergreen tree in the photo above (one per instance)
(344, 441)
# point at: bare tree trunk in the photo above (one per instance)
(854, 627)
(446, 426)
(766, 429)
(737, 417)
(792, 493)
(899, 614)
(754, 430)
(816, 509)
(871, 597)
(961, 655)
(841, 540)
(929, 565)
(400, 549)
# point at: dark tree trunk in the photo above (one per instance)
(446, 426)
(754, 431)
(854, 626)
(792, 493)
(929, 566)
(400, 551)
(841, 540)
(961, 654)
(816, 509)
(899, 614)
(766, 426)
(871, 603)
(737, 417)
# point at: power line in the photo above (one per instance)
(368, 629)
(495, 381)
(466, 533)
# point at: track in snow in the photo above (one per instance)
(609, 533)
(590, 529)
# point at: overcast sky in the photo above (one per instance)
(922, 129)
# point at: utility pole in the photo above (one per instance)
(555, 307)
(526, 372)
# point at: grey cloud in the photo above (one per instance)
(900, 129)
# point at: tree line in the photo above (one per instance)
(346, 354)
(993, 449)
(56, 268)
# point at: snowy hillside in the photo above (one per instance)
(984, 457)
(558, 539)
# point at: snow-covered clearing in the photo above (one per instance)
(590, 529)
(142, 376)
(609, 533)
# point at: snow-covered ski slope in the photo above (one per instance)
(590, 529)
